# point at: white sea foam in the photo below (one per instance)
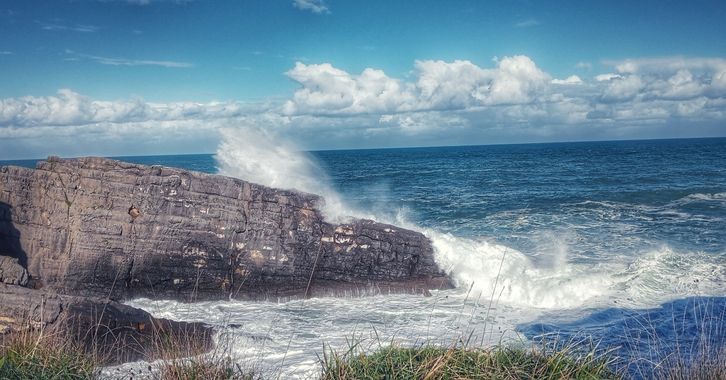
(664, 274)
(509, 276)
(718, 197)
(499, 287)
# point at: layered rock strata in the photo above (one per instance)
(104, 228)
(115, 332)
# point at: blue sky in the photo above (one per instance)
(116, 77)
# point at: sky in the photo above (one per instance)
(135, 77)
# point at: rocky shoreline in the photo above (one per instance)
(81, 235)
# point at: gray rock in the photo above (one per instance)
(115, 333)
(99, 227)
(11, 272)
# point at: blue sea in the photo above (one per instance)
(618, 243)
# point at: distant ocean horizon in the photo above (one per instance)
(26, 162)
(599, 238)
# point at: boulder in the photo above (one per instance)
(115, 333)
(99, 227)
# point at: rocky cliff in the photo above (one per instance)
(99, 227)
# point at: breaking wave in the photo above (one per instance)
(494, 271)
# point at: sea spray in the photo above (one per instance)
(260, 156)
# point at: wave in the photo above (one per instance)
(702, 197)
(495, 272)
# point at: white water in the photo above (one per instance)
(259, 156)
(499, 287)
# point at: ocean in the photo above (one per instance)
(620, 244)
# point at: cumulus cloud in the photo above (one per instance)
(315, 6)
(667, 64)
(326, 89)
(70, 108)
(440, 102)
(623, 88)
(677, 79)
(439, 85)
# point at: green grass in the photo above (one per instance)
(205, 368)
(434, 362)
(44, 358)
(49, 357)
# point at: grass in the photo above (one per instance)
(203, 368)
(47, 354)
(56, 354)
(183, 359)
(705, 367)
(44, 357)
(435, 362)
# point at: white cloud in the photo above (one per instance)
(327, 89)
(607, 77)
(138, 62)
(674, 78)
(527, 23)
(682, 85)
(73, 56)
(422, 122)
(571, 80)
(439, 85)
(58, 26)
(68, 108)
(668, 64)
(718, 81)
(455, 102)
(315, 6)
(625, 88)
(5, 52)
(446, 85)
(516, 80)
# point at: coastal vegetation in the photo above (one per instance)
(47, 355)
(435, 362)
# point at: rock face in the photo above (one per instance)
(11, 272)
(117, 333)
(99, 227)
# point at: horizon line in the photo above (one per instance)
(384, 148)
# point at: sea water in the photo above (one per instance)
(623, 243)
